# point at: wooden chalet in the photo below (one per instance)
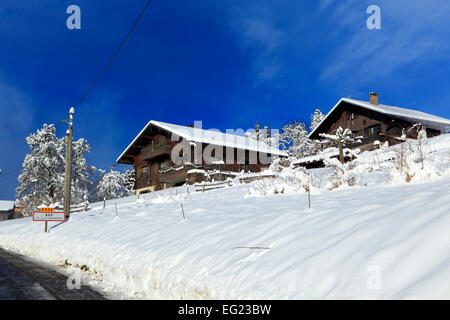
(8, 210)
(373, 121)
(151, 154)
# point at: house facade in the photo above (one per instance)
(372, 122)
(166, 155)
(8, 210)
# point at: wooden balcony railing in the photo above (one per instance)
(157, 152)
(176, 174)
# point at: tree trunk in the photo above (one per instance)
(341, 152)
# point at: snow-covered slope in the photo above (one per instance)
(386, 241)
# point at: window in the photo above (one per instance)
(352, 116)
(375, 129)
(144, 172)
(356, 133)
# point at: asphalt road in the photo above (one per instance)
(24, 279)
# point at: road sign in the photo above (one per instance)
(48, 216)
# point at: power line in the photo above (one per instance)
(3, 174)
(113, 56)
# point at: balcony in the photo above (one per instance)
(176, 173)
(155, 152)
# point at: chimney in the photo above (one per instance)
(373, 98)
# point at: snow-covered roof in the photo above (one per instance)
(428, 120)
(6, 205)
(214, 137)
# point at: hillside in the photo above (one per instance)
(378, 238)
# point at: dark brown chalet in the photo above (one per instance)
(373, 121)
(152, 155)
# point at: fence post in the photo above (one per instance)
(182, 210)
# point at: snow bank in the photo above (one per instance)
(331, 251)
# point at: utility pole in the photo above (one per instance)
(34, 195)
(68, 171)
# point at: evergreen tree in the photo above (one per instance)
(42, 178)
(254, 133)
(41, 181)
(316, 118)
(128, 178)
(81, 172)
(265, 135)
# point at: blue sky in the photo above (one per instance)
(228, 63)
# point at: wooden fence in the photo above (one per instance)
(255, 178)
(206, 186)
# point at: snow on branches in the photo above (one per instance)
(341, 138)
(111, 186)
(269, 137)
(41, 181)
(128, 180)
(294, 139)
(316, 118)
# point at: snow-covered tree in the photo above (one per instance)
(111, 186)
(255, 133)
(265, 133)
(294, 139)
(42, 176)
(128, 178)
(340, 139)
(273, 140)
(316, 118)
(269, 137)
(81, 172)
(41, 181)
